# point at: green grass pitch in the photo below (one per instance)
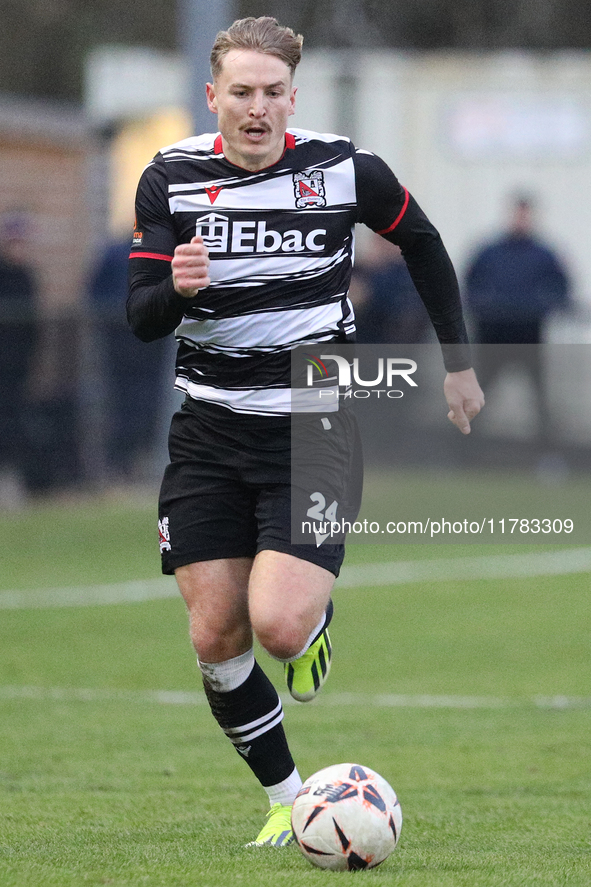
(437, 685)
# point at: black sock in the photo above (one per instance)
(251, 716)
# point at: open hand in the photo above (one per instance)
(464, 397)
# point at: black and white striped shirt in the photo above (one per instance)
(281, 243)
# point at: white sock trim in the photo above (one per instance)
(228, 675)
(311, 638)
(285, 792)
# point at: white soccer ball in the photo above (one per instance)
(346, 817)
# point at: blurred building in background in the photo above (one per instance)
(134, 99)
(44, 172)
(465, 121)
(71, 173)
(462, 130)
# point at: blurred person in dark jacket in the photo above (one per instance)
(132, 374)
(513, 285)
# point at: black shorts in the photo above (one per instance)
(227, 491)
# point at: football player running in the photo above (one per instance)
(243, 245)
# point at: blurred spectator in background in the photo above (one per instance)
(513, 285)
(387, 305)
(18, 343)
(132, 373)
(39, 440)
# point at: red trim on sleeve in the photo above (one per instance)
(289, 140)
(217, 145)
(150, 256)
(399, 216)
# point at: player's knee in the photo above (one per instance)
(279, 638)
(218, 643)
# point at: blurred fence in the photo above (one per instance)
(84, 404)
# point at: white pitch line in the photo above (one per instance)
(96, 694)
(345, 700)
(495, 566)
(132, 592)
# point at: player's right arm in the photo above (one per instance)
(389, 210)
(163, 273)
(386, 207)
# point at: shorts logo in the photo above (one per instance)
(164, 534)
(137, 238)
(309, 188)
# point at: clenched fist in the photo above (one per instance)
(190, 268)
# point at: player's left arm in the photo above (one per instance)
(391, 211)
(464, 398)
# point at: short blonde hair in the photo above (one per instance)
(262, 34)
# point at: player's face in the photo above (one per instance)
(253, 98)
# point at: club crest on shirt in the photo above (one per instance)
(309, 188)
